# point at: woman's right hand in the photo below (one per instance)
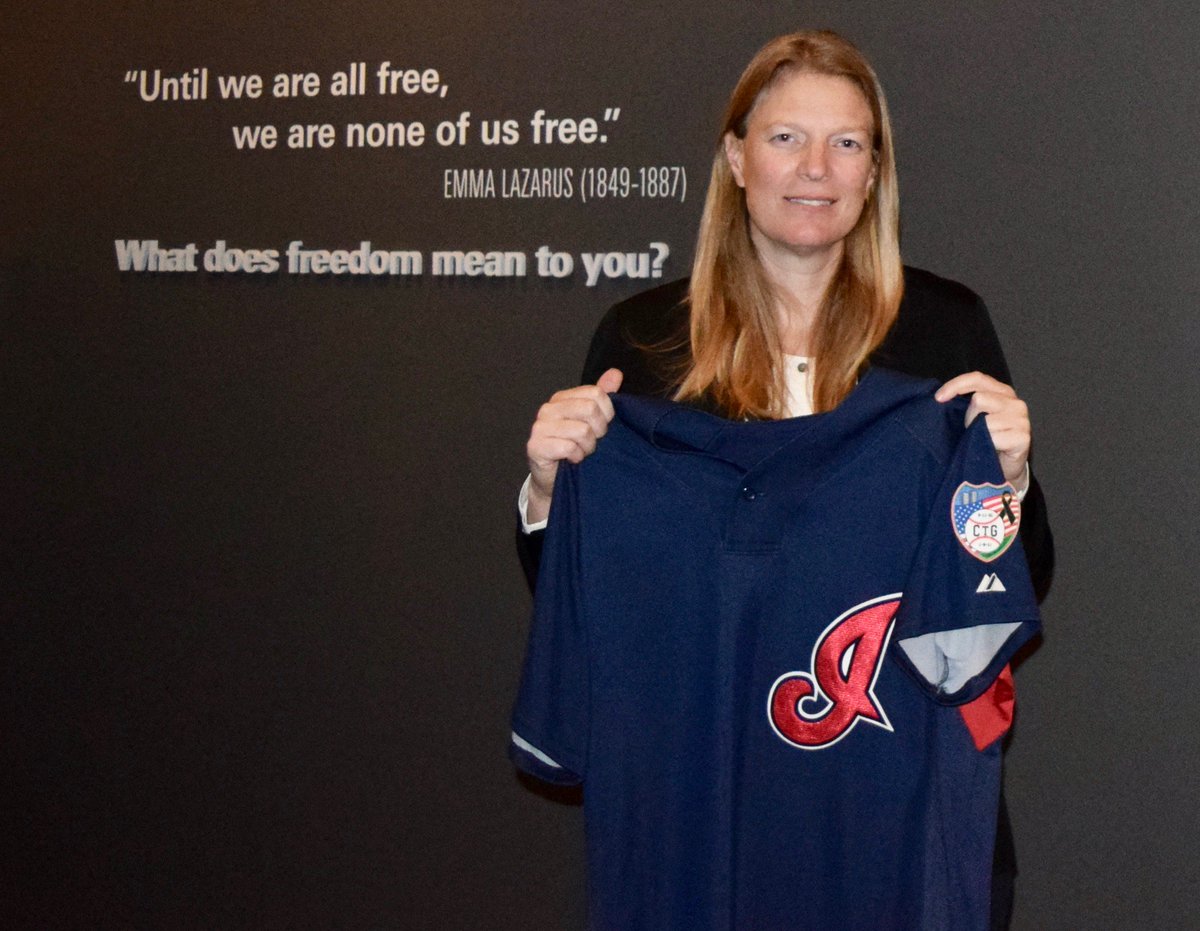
(567, 427)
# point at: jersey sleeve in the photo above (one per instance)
(551, 715)
(969, 604)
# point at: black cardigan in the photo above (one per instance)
(942, 330)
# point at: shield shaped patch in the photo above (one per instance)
(985, 518)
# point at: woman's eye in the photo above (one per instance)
(849, 144)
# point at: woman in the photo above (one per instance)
(797, 287)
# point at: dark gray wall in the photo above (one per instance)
(261, 616)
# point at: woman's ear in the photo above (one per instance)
(733, 155)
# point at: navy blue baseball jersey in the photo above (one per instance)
(749, 643)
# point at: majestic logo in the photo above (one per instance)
(991, 583)
(815, 710)
(985, 518)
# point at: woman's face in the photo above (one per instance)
(805, 164)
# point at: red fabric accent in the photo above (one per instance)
(989, 716)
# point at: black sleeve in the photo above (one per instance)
(607, 350)
(529, 551)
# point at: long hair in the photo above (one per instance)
(735, 347)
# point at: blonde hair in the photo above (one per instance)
(735, 347)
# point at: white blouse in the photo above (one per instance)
(798, 375)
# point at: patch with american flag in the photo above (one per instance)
(985, 518)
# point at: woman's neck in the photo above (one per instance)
(800, 283)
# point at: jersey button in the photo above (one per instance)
(750, 494)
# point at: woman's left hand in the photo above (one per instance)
(1007, 421)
